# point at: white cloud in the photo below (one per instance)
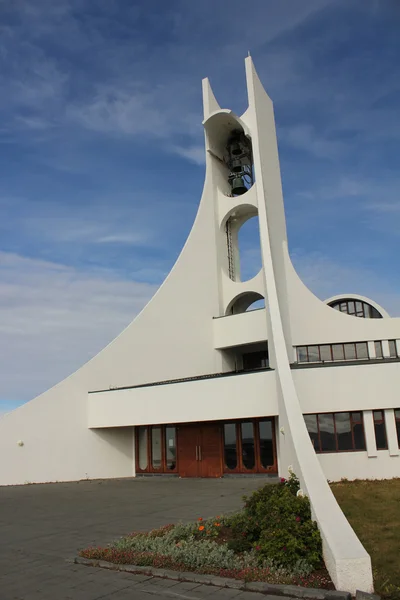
(53, 318)
(194, 154)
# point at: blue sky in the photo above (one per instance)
(102, 156)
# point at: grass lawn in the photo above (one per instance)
(373, 509)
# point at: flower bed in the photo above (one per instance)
(273, 539)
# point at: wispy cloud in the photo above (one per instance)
(53, 318)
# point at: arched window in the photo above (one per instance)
(355, 308)
(246, 302)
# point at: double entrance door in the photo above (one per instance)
(200, 450)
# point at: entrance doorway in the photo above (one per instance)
(209, 449)
(200, 450)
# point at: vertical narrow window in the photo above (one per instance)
(392, 349)
(325, 352)
(312, 428)
(156, 447)
(313, 354)
(327, 432)
(142, 448)
(248, 456)
(302, 355)
(397, 417)
(380, 430)
(170, 448)
(230, 446)
(358, 431)
(350, 351)
(267, 457)
(378, 349)
(362, 350)
(337, 352)
(343, 432)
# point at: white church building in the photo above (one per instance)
(198, 385)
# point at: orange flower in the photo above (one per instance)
(217, 524)
(200, 519)
(201, 527)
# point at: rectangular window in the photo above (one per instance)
(267, 454)
(327, 432)
(338, 352)
(350, 351)
(343, 432)
(380, 430)
(336, 432)
(357, 426)
(397, 417)
(230, 446)
(326, 352)
(142, 448)
(313, 354)
(362, 350)
(248, 448)
(302, 354)
(156, 447)
(392, 349)
(170, 448)
(378, 349)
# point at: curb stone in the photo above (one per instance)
(272, 589)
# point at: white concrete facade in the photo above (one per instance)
(84, 426)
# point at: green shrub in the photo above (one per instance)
(277, 523)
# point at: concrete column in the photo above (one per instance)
(371, 349)
(391, 432)
(370, 433)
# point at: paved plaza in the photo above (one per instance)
(43, 526)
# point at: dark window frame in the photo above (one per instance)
(353, 423)
(380, 422)
(163, 467)
(355, 346)
(396, 353)
(258, 467)
(397, 423)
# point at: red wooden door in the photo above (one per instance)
(210, 451)
(200, 450)
(188, 453)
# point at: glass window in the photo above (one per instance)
(266, 444)
(343, 307)
(397, 417)
(313, 354)
(325, 352)
(343, 431)
(230, 446)
(142, 447)
(352, 310)
(392, 349)
(248, 456)
(302, 355)
(170, 448)
(359, 309)
(358, 431)
(312, 428)
(337, 351)
(349, 351)
(362, 350)
(378, 349)
(380, 430)
(327, 432)
(156, 447)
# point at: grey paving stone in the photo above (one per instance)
(43, 526)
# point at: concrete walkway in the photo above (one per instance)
(42, 526)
